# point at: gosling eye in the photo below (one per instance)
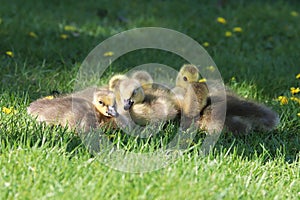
(185, 78)
(100, 102)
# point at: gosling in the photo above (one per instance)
(144, 106)
(192, 95)
(144, 78)
(242, 116)
(75, 112)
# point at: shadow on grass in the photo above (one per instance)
(267, 145)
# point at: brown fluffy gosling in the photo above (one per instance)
(144, 78)
(76, 112)
(192, 94)
(242, 116)
(144, 106)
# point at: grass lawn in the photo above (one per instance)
(42, 46)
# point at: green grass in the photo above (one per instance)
(41, 162)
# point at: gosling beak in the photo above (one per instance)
(127, 104)
(112, 111)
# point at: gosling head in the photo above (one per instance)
(131, 93)
(104, 101)
(187, 74)
(115, 80)
(144, 78)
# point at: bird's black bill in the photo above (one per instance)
(112, 111)
(127, 104)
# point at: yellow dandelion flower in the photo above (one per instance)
(221, 20)
(32, 34)
(9, 110)
(233, 78)
(296, 99)
(6, 110)
(64, 36)
(203, 80)
(211, 68)
(228, 34)
(9, 53)
(294, 90)
(205, 44)
(49, 97)
(298, 114)
(283, 100)
(298, 76)
(237, 29)
(70, 28)
(108, 53)
(294, 13)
